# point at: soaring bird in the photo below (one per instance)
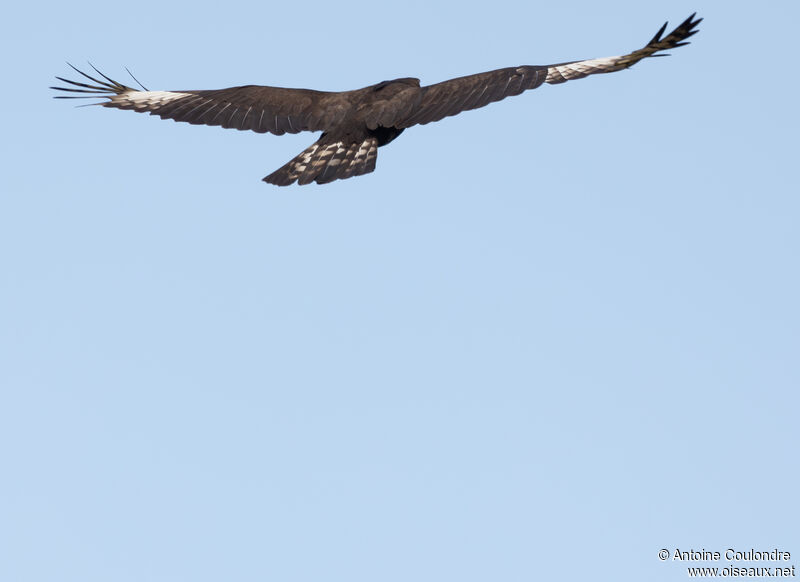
(354, 124)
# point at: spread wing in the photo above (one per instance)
(262, 109)
(465, 93)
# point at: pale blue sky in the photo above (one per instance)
(542, 341)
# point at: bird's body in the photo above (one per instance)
(354, 123)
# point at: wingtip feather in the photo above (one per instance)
(660, 32)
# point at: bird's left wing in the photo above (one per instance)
(258, 108)
(464, 93)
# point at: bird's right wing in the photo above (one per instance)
(464, 93)
(258, 108)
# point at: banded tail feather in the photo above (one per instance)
(326, 161)
(354, 123)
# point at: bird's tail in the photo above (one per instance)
(327, 160)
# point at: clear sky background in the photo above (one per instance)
(543, 341)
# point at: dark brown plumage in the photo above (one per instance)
(354, 123)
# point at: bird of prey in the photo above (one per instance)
(354, 124)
